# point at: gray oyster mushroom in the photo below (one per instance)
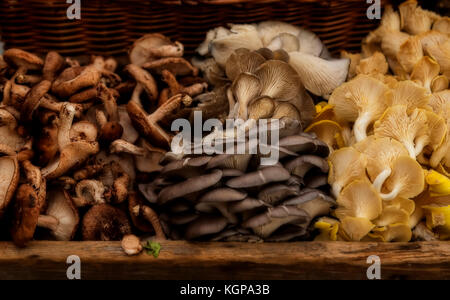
(233, 197)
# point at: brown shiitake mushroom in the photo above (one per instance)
(72, 80)
(72, 151)
(104, 222)
(148, 125)
(23, 61)
(154, 46)
(61, 217)
(8, 180)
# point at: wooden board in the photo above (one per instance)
(230, 261)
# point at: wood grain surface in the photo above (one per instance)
(229, 261)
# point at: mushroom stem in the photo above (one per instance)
(66, 117)
(153, 218)
(411, 150)
(101, 118)
(121, 187)
(437, 156)
(122, 146)
(169, 106)
(361, 125)
(175, 50)
(21, 71)
(136, 96)
(109, 102)
(336, 189)
(421, 142)
(393, 194)
(28, 79)
(381, 178)
(48, 222)
(231, 103)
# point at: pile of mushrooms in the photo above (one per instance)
(234, 197)
(318, 72)
(76, 139)
(262, 85)
(388, 129)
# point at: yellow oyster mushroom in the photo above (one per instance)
(440, 103)
(389, 80)
(356, 229)
(329, 229)
(361, 100)
(439, 184)
(327, 131)
(359, 199)
(414, 19)
(390, 22)
(442, 25)
(437, 129)
(400, 233)
(346, 165)
(406, 128)
(381, 154)
(410, 53)
(320, 106)
(355, 58)
(410, 94)
(439, 84)
(431, 37)
(441, 169)
(324, 113)
(441, 156)
(369, 48)
(397, 68)
(408, 205)
(441, 53)
(375, 64)
(392, 215)
(407, 179)
(425, 71)
(392, 41)
(425, 199)
(438, 219)
(437, 132)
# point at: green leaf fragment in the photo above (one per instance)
(153, 248)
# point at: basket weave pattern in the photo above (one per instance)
(108, 27)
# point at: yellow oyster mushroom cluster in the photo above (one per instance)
(388, 129)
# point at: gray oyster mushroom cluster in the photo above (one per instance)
(233, 197)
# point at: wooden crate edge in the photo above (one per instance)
(230, 261)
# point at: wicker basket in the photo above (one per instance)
(13, 30)
(109, 27)
(52, 30)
